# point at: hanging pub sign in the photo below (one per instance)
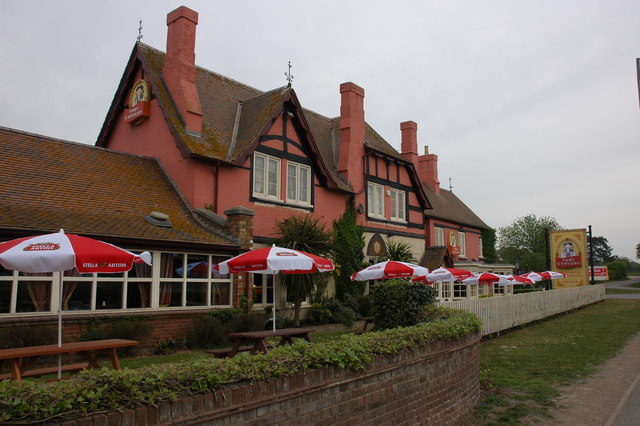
(138, 110)
(454, 249)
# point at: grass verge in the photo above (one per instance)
(621, 291)
(522, 370)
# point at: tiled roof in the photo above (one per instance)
(436, 257)
(220, 97)
(48, 184)
(447, 206)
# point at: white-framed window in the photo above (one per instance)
(266, 176)
(182, 280)
(481, 254)
(398, 202)
(262, 289)
(375, 197)
(462, 243)
(439, 236)
(298, 183)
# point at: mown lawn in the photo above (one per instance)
(521, 370)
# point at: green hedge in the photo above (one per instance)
(102, 390)
(399, 303)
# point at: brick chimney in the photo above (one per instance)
(409, 144)
(180, 66)
(428, 169)
(352, 131)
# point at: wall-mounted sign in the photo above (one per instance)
(454, 249)
(138, 110)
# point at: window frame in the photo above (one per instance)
(398, 198)
(439, 236)
(462, 243)
(307, 184)
(265, 176)
(375, 200)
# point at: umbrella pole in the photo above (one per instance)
(274, 302)
(60, 326)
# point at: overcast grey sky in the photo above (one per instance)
(531, 106)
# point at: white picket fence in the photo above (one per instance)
(504, 312)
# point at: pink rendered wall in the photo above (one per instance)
(235, 189)
(378, 167)
(472, 237)
(153, 139)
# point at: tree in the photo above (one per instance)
(348, 252)
(524, 242)
(307, 234)
(489, 245)
(601, 250)
(398, 250)
(638, 251)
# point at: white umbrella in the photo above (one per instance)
(389, 269)
(59, 252)
(487, 278)
(271, 260)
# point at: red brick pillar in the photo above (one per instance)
(240, 226)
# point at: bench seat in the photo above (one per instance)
(224, 352)
(37, 372)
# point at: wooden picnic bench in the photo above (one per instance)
(21, 358)
(259, 339)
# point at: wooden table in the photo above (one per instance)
(21, 358)
(259, 338)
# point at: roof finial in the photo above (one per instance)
(450, 186)
(289, 76)
(140, 30)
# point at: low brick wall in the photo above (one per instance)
(435, 384)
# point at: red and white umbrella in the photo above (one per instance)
(389, 269)
(517, 279)
(533, 276)
(272, 260)
(61, 252)
(487, 278)
(444, 274)
(552, 275)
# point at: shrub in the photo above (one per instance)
(399, 303)
(16, 337)
(331, 310)
(320, 314)
(365, 306)
(617, 270)
(344, 315)
(93, 391)
(212, 329)
(128, 327)
(169, 346)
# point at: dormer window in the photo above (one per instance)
(375, 200)
(298, 183)
(398, 202)
(266, 176)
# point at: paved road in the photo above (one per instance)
(626, 285)
(627, 412)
